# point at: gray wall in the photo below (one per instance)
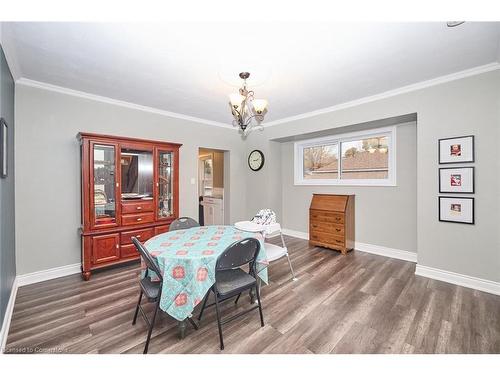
(467, 106)
(48, 168)
(7, 221)
(385, 215)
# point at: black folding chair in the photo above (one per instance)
(152, 290)
(183, 223)
(231, 280)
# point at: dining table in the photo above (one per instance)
(187, 260)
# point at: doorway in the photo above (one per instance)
(212, 186)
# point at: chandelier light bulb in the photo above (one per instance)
(236, 100)
(259, 105)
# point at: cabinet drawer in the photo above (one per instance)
(146, 217)
(129, 251)
(161, 229)
(327, 238)
(105, 248)
(135, 207)
(331, 228)
(142, 235)
(326, 217)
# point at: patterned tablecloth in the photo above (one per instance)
(187, 259)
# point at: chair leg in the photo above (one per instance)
(137, 309)
(237, 298)
(260, 306)
(195, 326)
(291, 268)
(204, 304)
(151, 326)
(218, 320)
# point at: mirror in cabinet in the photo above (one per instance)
(104, 184)
(164, 183)
(136, 174)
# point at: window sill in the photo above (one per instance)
(346, 183)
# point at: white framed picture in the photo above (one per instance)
(456, 210)
(456, 150)
(456, 180)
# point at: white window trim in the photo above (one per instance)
(390, 131)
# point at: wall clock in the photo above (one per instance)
(256, 160)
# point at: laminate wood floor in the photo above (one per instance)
(359, 303)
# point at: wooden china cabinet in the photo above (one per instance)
(130, 187)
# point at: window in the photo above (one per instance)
(362, 158)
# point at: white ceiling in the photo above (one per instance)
(299, 67)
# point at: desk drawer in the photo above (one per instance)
(326, 217)
(137, 207)
(327, 238)
(142, 235)
(146, 217)
(331, 228)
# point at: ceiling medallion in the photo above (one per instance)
(247, 111)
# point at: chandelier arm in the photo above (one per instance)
(258, 117)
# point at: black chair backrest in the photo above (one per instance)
(148, 259)
(183, 223)
(238, 254)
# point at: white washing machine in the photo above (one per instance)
(213, 210)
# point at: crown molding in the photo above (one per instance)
(121, 103)
(387, 94)
(402, 90)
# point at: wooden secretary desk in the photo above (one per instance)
(331, 221)
(130, 187)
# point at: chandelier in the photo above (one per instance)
(247, 111)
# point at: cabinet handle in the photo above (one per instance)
(117, 184)
(117, 246)
(138, 236)
(139, 219)
(139, 207)
(337, 229)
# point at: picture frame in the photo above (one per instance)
(3, 148)
(456, 210)
(456, 150)
(459, 180)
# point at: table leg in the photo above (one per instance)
(252, 295)
(182, 329)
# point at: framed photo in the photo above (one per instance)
(456, 180)
(456, 210)
(456, 150)
(3, 148)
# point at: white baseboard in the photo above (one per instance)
(365, 247)
(52, 273)
(8, 316)
(386, 251)
(295, 233)
(458, 279)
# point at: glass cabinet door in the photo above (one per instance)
(104, 184)
(165, 184)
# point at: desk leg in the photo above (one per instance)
(182, 329)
